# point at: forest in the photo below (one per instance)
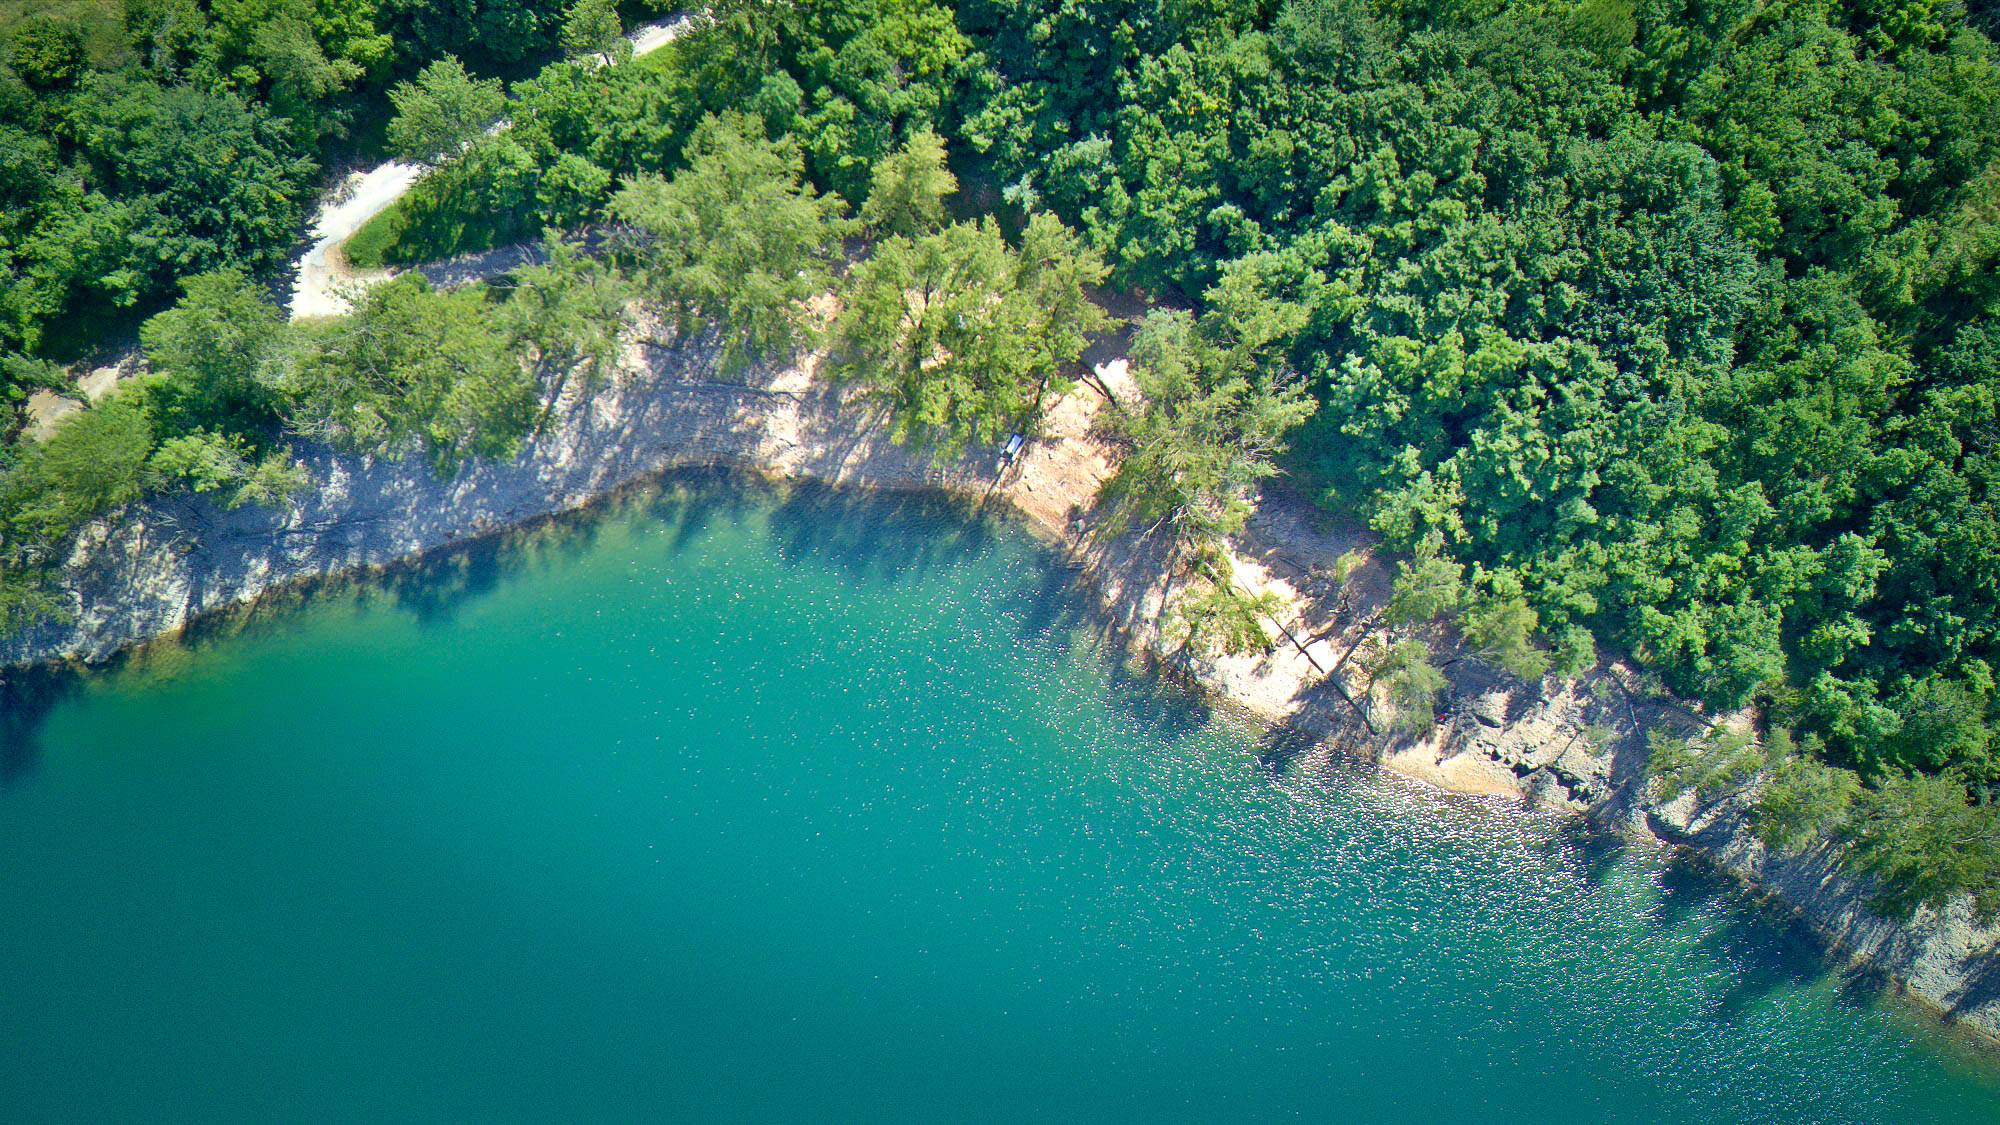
(1652, 329)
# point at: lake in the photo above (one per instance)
(732, 802)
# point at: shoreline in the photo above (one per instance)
(175, 561)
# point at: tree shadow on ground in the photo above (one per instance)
(1323, 728)
(1980, 988)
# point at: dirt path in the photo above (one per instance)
(323, 272)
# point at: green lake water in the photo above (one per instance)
(738, 805)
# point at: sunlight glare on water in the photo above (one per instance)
(745, 803)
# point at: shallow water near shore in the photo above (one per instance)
(736, 802)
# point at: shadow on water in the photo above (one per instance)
(27, 696)
(891, 536)
(1157, 699)
(1060, 606)
(1766, 951)
(1060, 611)
(882, 536)
(1592, 852)
(1281, 746)
(874, 534)
(691, 502)
(436, 587)
(896, 535)
(439, 585)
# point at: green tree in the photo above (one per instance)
(488, 197)
(210, 349)
(48, 53)
(167, 33)
(1433, 587)
(566, 312)
(302, 52)
(1715, 764)
(94, 461)
(28, 595)
(1942, 724)
(1212, 612)
(440, 112)
(1924, 843)
(272, 480)
(571, 192)
(413, 368)
(1805, 801)
(592, 28)
(909, 188)
(214, 181)
(879, 70)
(960, 336)
(21, 375)
(205, 462)
(1502, 629)
(1411, 685)
(1206, 430)
(736, 239)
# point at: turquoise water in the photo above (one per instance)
(738, 805)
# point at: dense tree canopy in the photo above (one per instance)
(1203, 432)
(413, 365)
(441, 110)
(737, 238)
(1657, 328)
(964, 337)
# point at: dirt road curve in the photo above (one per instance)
(322, 272)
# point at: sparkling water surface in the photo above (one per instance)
(735, 803)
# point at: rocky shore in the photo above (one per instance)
(155, 568)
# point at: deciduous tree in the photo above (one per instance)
(736, 239)
(441, 110)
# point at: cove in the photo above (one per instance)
(740, 802)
